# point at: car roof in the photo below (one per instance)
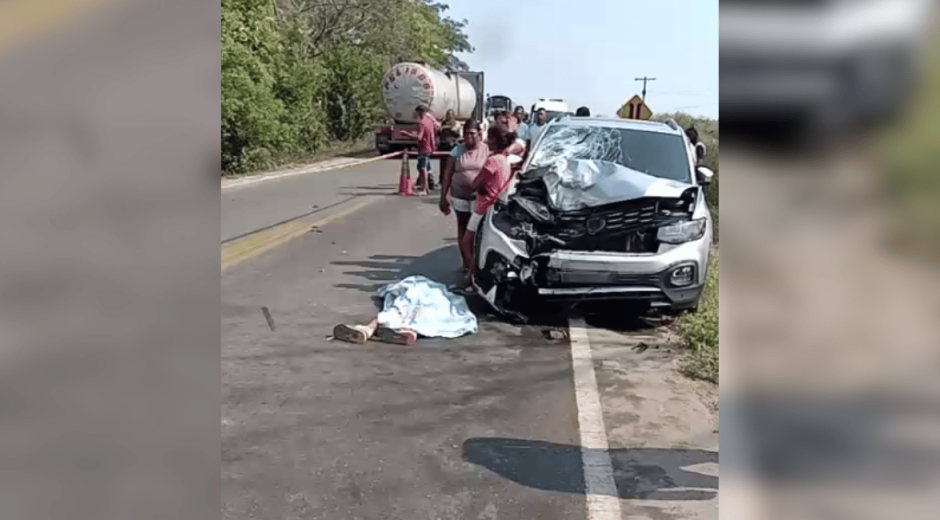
(616, 122)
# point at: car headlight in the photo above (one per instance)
(682, 232)
(535, 210)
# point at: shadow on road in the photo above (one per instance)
(439, 265)
(640, 473)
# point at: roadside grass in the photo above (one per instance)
(910, 155)
(700, 332)
(287, 160)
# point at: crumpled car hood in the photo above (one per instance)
(575, 183)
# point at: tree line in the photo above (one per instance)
(300, 74)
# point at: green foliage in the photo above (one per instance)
(700, 330)
(300, 74)
(353, 101)
(910, 154)
(252, 116)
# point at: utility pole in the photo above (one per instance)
(644, 79)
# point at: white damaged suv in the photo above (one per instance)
(603, 209)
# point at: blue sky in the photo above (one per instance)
(589, 52)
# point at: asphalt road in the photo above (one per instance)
(249, 208)
(480, 427)
(318, 429)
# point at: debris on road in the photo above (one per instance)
(267, 317)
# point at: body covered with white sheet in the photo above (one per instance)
(426, 307)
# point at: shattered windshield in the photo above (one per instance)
(657, 154)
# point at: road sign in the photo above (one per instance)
(635, 108)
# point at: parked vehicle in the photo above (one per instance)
(553, 107)
(497, 103)
(604, 209)
(407, 85)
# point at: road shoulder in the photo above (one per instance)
(320, 166)
(662, 427)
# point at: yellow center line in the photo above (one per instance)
(252, 242)
(264, 241)
(24, 20)
(252, 246)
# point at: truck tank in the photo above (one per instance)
(407, 85)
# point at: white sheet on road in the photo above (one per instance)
(426, 307)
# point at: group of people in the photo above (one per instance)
(477, 173)
(480, 168)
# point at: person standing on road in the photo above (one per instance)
(450, 130)
(489, 184)
(461, 170)
(536, 129)
(427, 143)
(523, 126)
(583, 112)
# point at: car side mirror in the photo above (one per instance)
(704, 175)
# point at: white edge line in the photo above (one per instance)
(603, 502)
(261, 178)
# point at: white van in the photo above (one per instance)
(553, 107)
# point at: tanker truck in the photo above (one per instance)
(407, 85)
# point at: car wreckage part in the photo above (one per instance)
(582, 204)
(635, 226)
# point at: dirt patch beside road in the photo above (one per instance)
(662, 427)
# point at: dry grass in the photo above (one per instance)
(700, 331)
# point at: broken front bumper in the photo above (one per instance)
(577, 275)
(584, 276)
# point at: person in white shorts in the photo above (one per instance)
(461, 170)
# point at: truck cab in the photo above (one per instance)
(497, 103)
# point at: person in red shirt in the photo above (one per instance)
(489, 184)
(427, 143)
(511, 122)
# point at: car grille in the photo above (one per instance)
(623, 218)
(565, 278)
(637, 279)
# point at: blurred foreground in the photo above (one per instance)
(830, 311)
(108, 288)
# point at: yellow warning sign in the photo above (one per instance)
(635, 108)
